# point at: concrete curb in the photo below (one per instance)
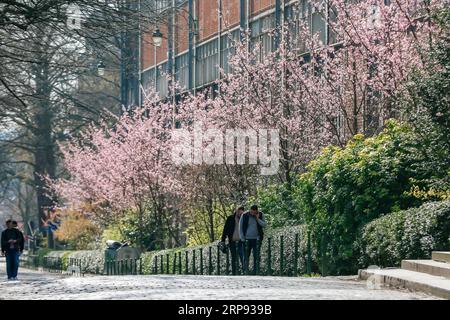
(431, 267)
(399, 278)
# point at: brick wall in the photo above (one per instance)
(207, 15)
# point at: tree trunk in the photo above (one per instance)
(44, 154)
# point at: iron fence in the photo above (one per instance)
(271, 257)
(123, 267)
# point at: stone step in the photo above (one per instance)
(415, 281)
(441, 256)
(435, 268)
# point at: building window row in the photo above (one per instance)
(207, 54)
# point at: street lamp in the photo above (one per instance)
(157, 38)
(101, 69)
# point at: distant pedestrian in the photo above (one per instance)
(231, 231)
(12, 243)
(251, 231)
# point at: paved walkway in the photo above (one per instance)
(39, 285)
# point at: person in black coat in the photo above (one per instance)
(12, 243)
(231, 231)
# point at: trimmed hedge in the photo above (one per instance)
(218, 258)
(92, 261)
(407, 234)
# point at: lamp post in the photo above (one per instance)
(157, 38)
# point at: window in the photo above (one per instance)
(228, 41)
(162, 5)
(318, 19)
(207, 63)
(261, 34)
(148, 80)
(161, 80)
(298, 16)
(182, 70)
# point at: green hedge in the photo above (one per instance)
(407, 234)
(92, 261)
(63, 255)
(288, 255)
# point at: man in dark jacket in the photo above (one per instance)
(231, 231)
(12, 246)
(251, 232)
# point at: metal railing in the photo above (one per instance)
(270, 258)
(123, 267)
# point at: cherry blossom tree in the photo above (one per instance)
(126, 166)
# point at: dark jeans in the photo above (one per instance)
(236, 248)
(12, 262)
(252, 246)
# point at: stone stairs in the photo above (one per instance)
(429, 276)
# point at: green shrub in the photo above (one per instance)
(92, 261)
(346, 188)
(407, 234)
(278, 205)
(41, 253)
(63, 255)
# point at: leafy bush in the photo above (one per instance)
(407, 234)
(138, 229)
(277, 203)
(345, 188)
(63, 255)
(41, 253)
(76, 230)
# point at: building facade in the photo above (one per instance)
(198, 36)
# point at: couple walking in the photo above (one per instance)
(244, 231)
(12, 247)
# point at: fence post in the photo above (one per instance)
(296, 256)
(193, 261)
(168, 264)
(162, 264)
(187, 263)
(174, 269)
(308, 261)
(227, 272)
(210, 261)
(155, 264)
(281, 255)
(180, 271)
(201, 261)
(218, 261)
